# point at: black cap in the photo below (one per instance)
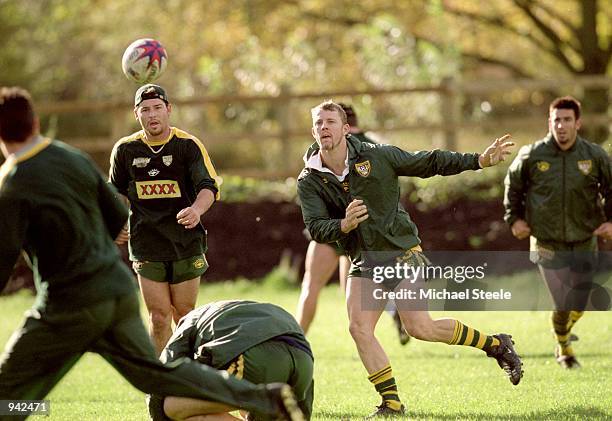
(150, 91)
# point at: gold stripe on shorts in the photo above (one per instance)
(236, 368)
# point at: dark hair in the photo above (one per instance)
(351, 117)
(566, 103)
(16, 115)
(329, 105)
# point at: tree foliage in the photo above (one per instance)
(71, 49)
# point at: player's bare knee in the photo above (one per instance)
(160, 319)
(183, 309)
(310, 291)
(360, 331)
(306, 284)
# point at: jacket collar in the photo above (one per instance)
(552, 143)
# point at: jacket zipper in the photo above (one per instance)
(361, 243)
(329, 190)
(563, 200)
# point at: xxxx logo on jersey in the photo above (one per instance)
(158, 189)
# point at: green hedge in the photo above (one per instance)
(428, 193)
(438, 191)
(247, 189)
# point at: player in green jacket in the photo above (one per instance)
(322, 259)
(258, 342)
(553, 193)
(169, 180)
(349, 192)
(56, 205)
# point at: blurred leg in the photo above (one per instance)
(45, 348)
(321, 262)
(343, 269)
(127, 347)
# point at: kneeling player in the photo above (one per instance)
(257, 342)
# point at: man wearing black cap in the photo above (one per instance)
(169, 180)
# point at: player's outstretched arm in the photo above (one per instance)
(496, 152)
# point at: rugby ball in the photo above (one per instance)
(144, 60)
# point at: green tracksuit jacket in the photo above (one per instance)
(56, 205)
(559, 192)
(373, 177)
(218, 332)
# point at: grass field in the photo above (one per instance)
(435, 381)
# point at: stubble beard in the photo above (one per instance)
(155, 131)
(565, 139)
(330, 146)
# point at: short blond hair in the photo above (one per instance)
(329, 105)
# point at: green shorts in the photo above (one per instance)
(275, 361)
(580, 257)
(411, 257)
(271, 361)
(173, 272)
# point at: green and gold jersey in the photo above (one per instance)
(159, 179)
(56, 205)
(216, 333)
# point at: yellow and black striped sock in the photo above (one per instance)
(565, 349)
(465, 335)
(384, 382)
(573, 318)
(561, 322)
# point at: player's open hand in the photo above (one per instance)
(188, 217)
(604, 231)
(356, 212)
(497, 152)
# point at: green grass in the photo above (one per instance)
(435, 381)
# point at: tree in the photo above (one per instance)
(575, 35)
(527, 38)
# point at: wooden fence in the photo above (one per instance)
(449, 121)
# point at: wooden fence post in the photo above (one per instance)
(119, 126)
(448, 112)
(283, 113)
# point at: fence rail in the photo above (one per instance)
(450, 120)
